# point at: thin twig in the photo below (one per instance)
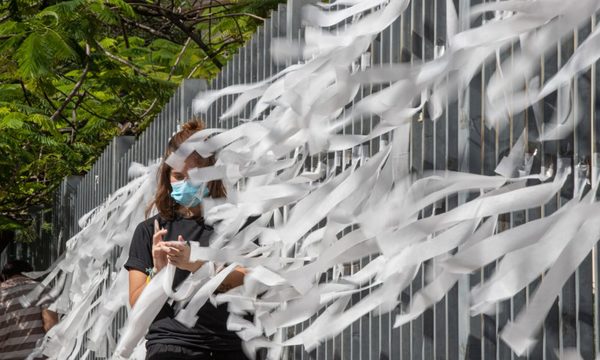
(75, 88)
(149, 108)
(147, 28)
(80, 98)
(194, 70)
(190, 32)
(206, 57)
(240, 14)
(121, 60)
(239, 28)
(178, 59)
(91, 112)
(25, 92)
(125, 35)
(202, 8)
(176, 19)
(210, 29)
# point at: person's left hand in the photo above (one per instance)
(178, 254)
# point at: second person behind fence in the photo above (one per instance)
(161, 239)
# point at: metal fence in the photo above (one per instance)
(458, 141)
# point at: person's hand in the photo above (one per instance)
(178, 254)
(159, 254)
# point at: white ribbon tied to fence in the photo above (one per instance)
(313, 219)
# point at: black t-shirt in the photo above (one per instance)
(210, 332)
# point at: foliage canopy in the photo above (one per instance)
(76, 73)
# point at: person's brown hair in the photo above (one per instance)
(166, 206)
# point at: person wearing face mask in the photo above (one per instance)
(162, 239)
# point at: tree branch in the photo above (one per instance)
(149, 109)
(238, 15)
(190, 32)
(206, 57)
(125, 35)
(80, 98)
(183, 49)
(226, 43)
(25, 92)
(194, 10)
(176, 20)
(237, 24)
(148, 29)
(121, 60)
(54, 106)
(193, 70)
(75, 88)
(241, 34)
(91, 112)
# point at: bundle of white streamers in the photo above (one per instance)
(370, 208)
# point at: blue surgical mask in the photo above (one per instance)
(188, 195)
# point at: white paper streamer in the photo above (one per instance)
(326, 198)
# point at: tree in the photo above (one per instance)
(76, 73)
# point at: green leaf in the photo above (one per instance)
(59, 47)
(34, 57)
(12, 121)
(137, 41)
(104, 14)
(48, 13)
(11, 27)
(65, 8)
(10, 91)
(44, 122)
(127, 9)
(108, 43)
(9, 46)
(134, 52)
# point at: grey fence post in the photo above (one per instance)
(189, 89)
(120, 145)
(463, 151)
(294, 18)
(66, 218)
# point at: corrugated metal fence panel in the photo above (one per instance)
(458, 141)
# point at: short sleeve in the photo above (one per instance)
(140, 251)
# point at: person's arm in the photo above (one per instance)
(137, 283)
(178, 254)
(234, 279)
(137, 278)
(49, 319)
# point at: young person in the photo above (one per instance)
(160, 240)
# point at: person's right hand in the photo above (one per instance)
(159, 256)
